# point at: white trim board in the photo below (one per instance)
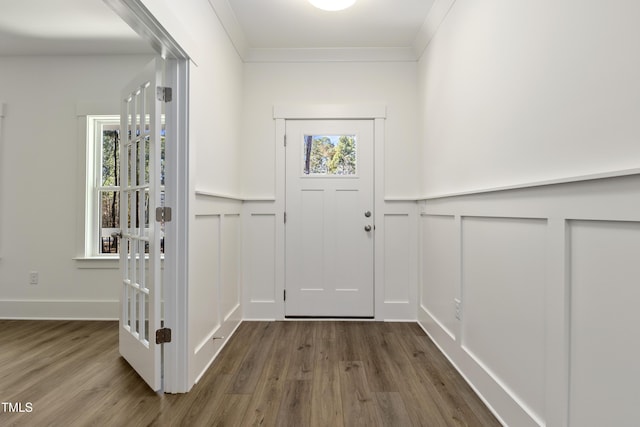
(59, 310)
(330, 111)
(344, 54)
(439, 11)
(556, 181)
(584, 230)
(436, 15)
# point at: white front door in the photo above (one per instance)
(140, 194)
(329, 218)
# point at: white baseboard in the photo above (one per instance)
(207, 351)
(498, 400)
(59, 310)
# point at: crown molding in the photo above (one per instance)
(348, 54)
(230, 23)
(437, 14)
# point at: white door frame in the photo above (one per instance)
(282, 113)
(175, 277)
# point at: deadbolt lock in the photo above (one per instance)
(367, 214)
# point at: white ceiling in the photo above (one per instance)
(260, 29)
(59, 27)
(297, 24)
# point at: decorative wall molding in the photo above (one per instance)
(530, 267)
(361, 54)
(230, 23)
(412, 53)
(209, 348)
(544, 183)
(436, 16)
(330, 111)
(215, 195)
(215, 278)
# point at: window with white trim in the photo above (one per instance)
(103, 186)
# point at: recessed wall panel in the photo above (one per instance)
(229, 286)
(261, 264)
(397, 258)
(440, 269)
(605, 295)
(503, 313)
(204, 278)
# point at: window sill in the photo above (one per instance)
(103, 262)
(98, 262)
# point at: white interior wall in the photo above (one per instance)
(41, 193)
(520, 92)
(1, 175)
(514, 94)
(388, 83)
(330, 84)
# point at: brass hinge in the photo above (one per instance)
(164, 94)
(163, 214)
(163, 335)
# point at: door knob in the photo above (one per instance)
(117, 234)
(367, 214)
(367, 228)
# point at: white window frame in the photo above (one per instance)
(91, 240)
(95, 127)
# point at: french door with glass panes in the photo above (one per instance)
(140, 196)
(329, 229)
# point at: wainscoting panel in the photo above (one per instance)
(204, 304)
(397, 258)
(215, 308)
(261, 263)
(547, 277)
(263, 260)
(605, 296)
(503, 276)
(440, 282)
(230, 266)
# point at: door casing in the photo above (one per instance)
(281, 113)
(337, 289)
(175, 284)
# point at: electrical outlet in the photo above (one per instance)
(33, 278)
(458, 308)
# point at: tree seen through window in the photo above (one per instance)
(329, 155)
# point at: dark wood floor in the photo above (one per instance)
(269, 374)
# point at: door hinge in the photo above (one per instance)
(285, 217)
(163, 214)
(285, 294)
(285, 140)
(163, 335)
(164, 94)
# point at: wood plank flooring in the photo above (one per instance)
(269, 374)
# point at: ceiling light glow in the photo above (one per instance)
(332, 5)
